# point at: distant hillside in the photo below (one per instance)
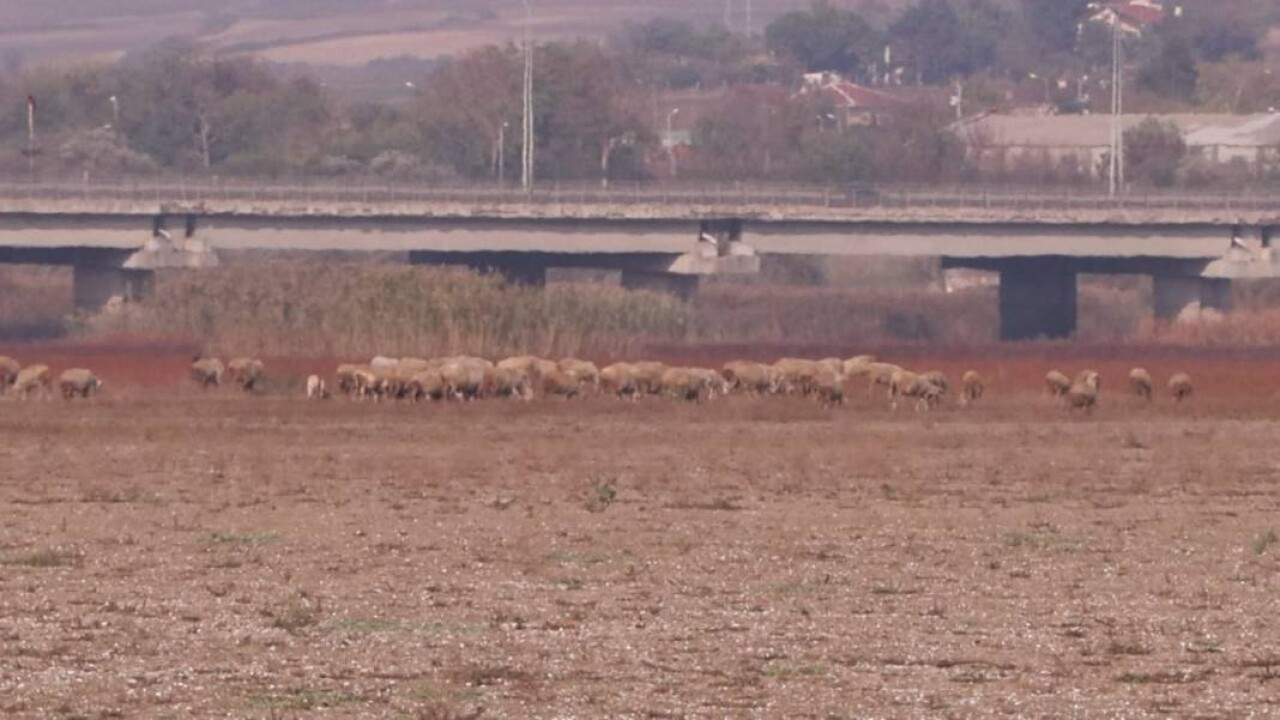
(344, 32)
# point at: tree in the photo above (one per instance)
(1053, 23)
(825, 38)
(1171, 72)
(941, 43)
(1153, 151)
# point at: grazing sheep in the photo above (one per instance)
(561, 384)
(1056, 384)
(9, 369)
(689, 384)
(939, 380)
(835, 365)
(904, 383)
(383, 363)
(649, 377)
(507, 383)
(796, 375)
(620, 379)
(316, 388)
(1084, 376)
(464, 377)
(366, 383)
(972, 387)
(1140, 382)
(32, 379)
(207, 372)
(533, 367)
(248, 373)
(880, 375)
(427, 385)
(586, 373)
(1083, 393)
(1180, 386)
(78, 382)
(346, 378)
(712, 380)
(827, 388)
(750, 377)
(857, 365)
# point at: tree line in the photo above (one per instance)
(601, 107)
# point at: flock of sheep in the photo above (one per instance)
(38, 380)
(469, 378)
(1082, 392)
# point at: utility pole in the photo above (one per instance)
(115, 114)
(502, 159)
(671, 142)
(748, 23)
(1115, 174)
(31, 134)
(526, 175)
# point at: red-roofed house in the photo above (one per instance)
(857, 104)
(1133, 16)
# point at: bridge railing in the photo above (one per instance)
(275, 193)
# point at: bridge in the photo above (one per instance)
(118, 235)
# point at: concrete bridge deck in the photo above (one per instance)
(659, 237)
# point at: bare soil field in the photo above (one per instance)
(169, 553)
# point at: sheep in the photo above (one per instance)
(380, 362)
(9, 369)
(585, 372)
(880, 375)
(682, 384)
(904, 383)
(34, 378)
(939, 380)
(207, 372)
(712, 381)
(464, 377)
(1056, 384)
(827, 388)
(1083, 393)
(796, 375)
(533, 367)
(1140, 383)
(316, 388)
(835, 365)
(507, 383)
(1180, 386)
(972, 387)
(750, 377)
(649, 377)
(78, 382)
(365, 383)
(248, 373)
(1090, 377)
(857, 365)
(346, 378)
(620, 379)
(561, 384)
(427, 385)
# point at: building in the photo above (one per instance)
(1132, 16)
(1083, 141)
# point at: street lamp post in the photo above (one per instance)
(526, 175)
(1044, 80)
(115, 113)
(502, 160)
(671, 141)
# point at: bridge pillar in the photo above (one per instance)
(681, 286)
(1037, 299)
(95, 288)
(1190, 298)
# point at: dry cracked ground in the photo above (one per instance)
(171, 554)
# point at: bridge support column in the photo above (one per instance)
(1037, 299)
(1190, 298)
(96, 288)
(681, 286)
